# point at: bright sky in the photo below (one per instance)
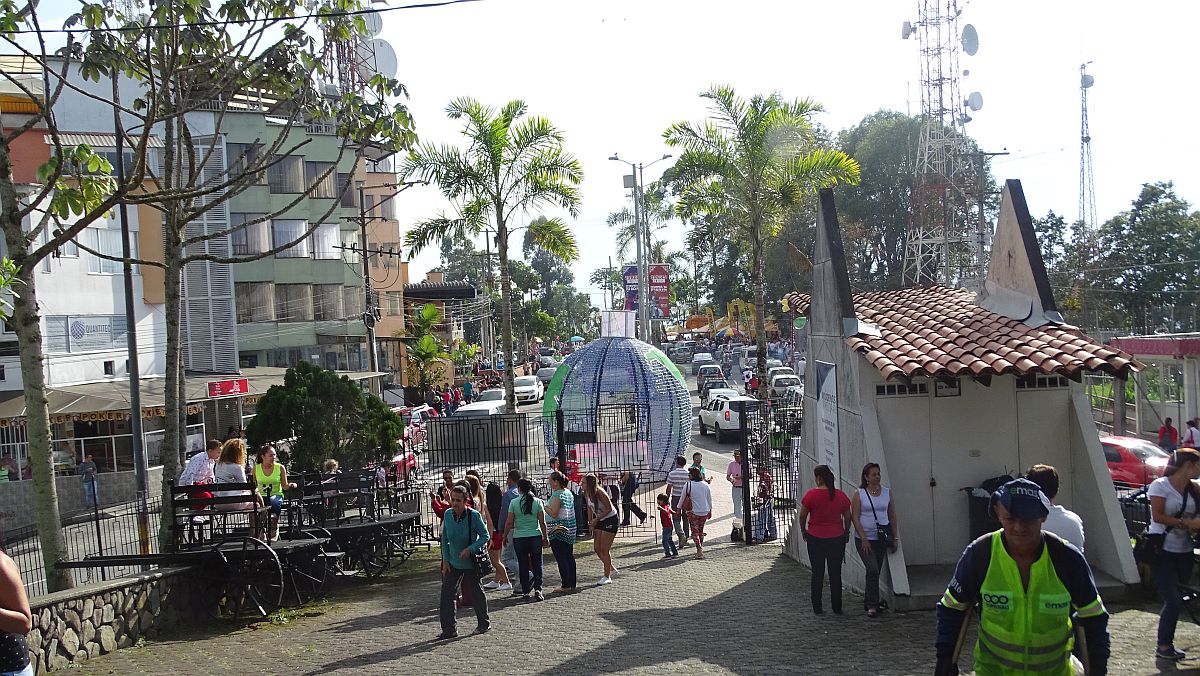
(612, 75)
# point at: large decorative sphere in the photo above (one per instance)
(625, 406)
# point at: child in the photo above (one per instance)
(670, 550)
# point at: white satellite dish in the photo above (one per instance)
(1087, 81)
(970, 40)
(906, 29)
(975, 101)
(385, 57)
(374, 23)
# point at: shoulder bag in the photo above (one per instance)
(883, 531)
(1147, 546)
(483, 563)
(685, 505)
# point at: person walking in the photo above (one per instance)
(733, 474)
(1031, 587)
(603, 522)
(1168, 436)
(765, 531)
(16, 620)
(698, 504)
(1174, 505)
(1191, 438)
(493, 500)
(677, 480)
(670, 551)
(508, 553)
(698, 463)
(560, 525)
(873, 514)
(1061, 521)
(628, 483)
(87, 472)
(463, 535)
(271, 479)
(527, 523)
(824, 523)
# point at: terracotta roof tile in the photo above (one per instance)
(941, 332)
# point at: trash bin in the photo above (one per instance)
(979, 514)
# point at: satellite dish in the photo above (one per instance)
(963, 118)
(975, 101)
(970, 40)
(374, 23)
(906, 29)
(1086, 81)
(385, 57)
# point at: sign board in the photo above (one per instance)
(619, 323)
(66, 334)
(660, 290)
(631, 287)
(228, 388)
(828, 448)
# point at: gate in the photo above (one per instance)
(770, 433)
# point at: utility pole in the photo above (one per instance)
(643, 305)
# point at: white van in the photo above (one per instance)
(492, 407)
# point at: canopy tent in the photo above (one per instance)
(729, 331)
(576, 339)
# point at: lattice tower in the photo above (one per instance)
(1087, 187)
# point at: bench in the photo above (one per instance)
(201, 515)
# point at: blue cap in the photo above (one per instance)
(1023, 499)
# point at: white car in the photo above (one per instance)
(780, 384)
(720, 393)
(778, 371)
(722, 415)
(529, 389)
(494, 394)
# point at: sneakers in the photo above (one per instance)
(604, 580)
(491, 586)
(447, 635)
(537, 595)
(517, 592)
(507, 586)
(1169, 653)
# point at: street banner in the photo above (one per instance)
(660, 290)
(631, 287)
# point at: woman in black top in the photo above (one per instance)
(15, 620)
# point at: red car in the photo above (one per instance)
(1133, 462)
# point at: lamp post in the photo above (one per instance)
(635, 181)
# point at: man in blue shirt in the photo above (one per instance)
(463, 535)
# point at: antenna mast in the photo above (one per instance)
(1087, 186)
(945, 245)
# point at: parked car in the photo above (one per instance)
(488, 407)
(529, 389)
(781, 384)
(706, 373)
(546, 374)
(778, 371)
(1133, 462)
(722, 415)
(546, 362)
(701, 359)
(772, 364)
(717, 388)
(494, 394)
(546, 351)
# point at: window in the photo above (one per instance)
(321, 177)
(1111, 454)
(1034, 381)
(352, 300)
(902, 390)
(293, 302)
(387, 209)
(326, 239)
(241, 157)
(283, 231)
(2, 373)
(286, 174)
(350, 196)
(392, 299)
(255, 302)
(391, 261)
(249, 239)
(108, 242)
(369, 203)
(110, 368)
(327, 302)
(69, 249)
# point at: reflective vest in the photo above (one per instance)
(1023, 631)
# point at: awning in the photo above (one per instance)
(101, 140)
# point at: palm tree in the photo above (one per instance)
(749, 163)
(510, 166)
(658, 212)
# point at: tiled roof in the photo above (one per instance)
(439, 290)
(941, 332)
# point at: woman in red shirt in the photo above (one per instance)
(825, 523)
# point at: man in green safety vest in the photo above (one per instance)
(1031, 587)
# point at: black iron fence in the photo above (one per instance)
(109, 530)
(770, 433)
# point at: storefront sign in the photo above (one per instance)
(228, 388)
(12, 422)
(829, 450)
(251, 400)
(84, 333)
(161, 411)
(100, 416)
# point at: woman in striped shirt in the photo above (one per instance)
(560, 522)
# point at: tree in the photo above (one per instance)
(553, 272)
(375, 439)
(462, 262)
(425, 365)
(510, 166)
(316, 408)
(658, 212)
(751, 162)
(613, 282)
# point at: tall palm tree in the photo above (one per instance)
(749, 163)
(512, 164)
(658, 213)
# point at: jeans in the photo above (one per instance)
(682, 529)
(91, 497)
(737, 505)
(669, 548)
(1170, 571)
(826, 553)
(564, 556)
(470, 579)
(508, 555)
(529, 561)
(628, 507)
(275, 504)
(764, 526)
(874, 565)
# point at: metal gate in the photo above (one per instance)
(770, 449)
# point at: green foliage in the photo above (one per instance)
(424, 320)
(8, 279)
(90, 182)
(377, 436)
(425, 357)
(542, 324)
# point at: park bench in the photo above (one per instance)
(201, 514)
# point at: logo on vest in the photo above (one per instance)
(997, 602)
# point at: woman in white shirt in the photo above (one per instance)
(700, 494)
(1174, 506)
(872, 509)
(231, 469)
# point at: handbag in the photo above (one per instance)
(883, 531)
(1147, 546)
(685, 505)
(482, 561)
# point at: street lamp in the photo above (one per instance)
(635, 181)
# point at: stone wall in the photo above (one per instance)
(73, 626)
(16, 497)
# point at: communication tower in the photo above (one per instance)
(1087, 187)
(351, 63)
(947, 239)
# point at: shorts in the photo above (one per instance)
(610, 525)
(497, 541)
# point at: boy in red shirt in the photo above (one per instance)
(670, 550)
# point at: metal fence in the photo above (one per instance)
(109, 530)
(770, 434)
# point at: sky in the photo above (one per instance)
(613, 74)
